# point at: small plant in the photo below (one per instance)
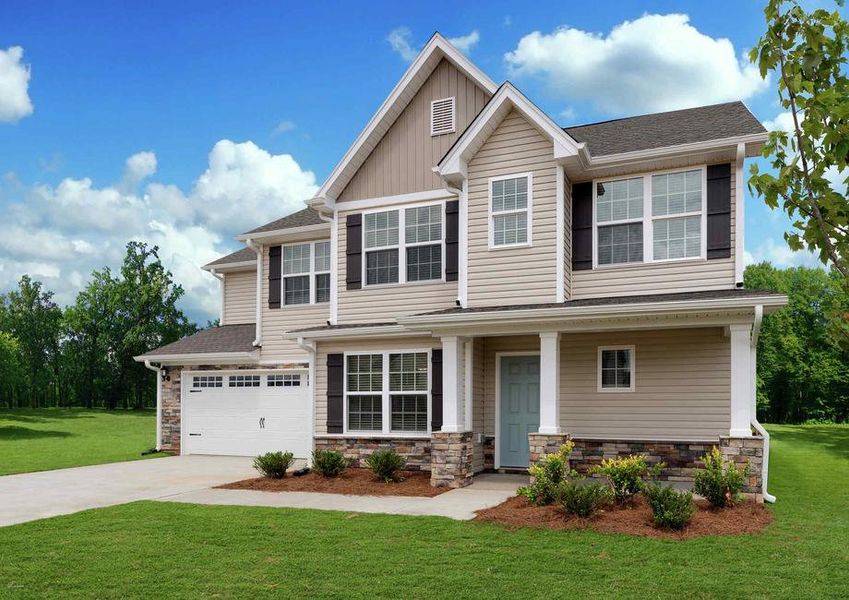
(672, 509)
(547, 474)
(274, 464)
(626, 475)
(581, 498)
(386, 465)
(328, 463)
(720, 481)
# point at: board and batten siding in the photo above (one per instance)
(332, 347)
(567, 237)
(239, 297)
(659, 278)
(402, 161)
(383, 304)
(520, 275)
(276, 321)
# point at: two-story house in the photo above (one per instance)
(473, 284)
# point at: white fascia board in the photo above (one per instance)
(409, 198)
(209, 358)
(243, 265)
(378, 331)
(437, 43)
(289, 232)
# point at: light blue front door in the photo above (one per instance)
(519, 408)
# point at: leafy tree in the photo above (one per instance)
(10, 367)
(808, 53)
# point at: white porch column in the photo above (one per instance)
(741, 380)
(549, 383)
(453, 398)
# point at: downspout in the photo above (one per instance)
(257, 343)
(220, 278)
(157, 370)
(756, 331)
(334, 265)
(309, 348)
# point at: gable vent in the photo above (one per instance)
(442, 116)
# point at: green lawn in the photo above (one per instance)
(53, 438)
(147, 549)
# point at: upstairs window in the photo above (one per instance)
(306, 273)
(510, 210)
(676, 203)
(404, 245)
(382, 239)
(423, 242)
(442, 117)
(619, 213)
(322, 272)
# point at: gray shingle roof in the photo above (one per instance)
(226, 338)
(667, 129)
(243, 255)
(302, 218)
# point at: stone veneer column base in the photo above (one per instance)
(541, 444)
(746, 450)
(451, 455)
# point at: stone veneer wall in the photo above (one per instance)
(452, 457)
(357, 449)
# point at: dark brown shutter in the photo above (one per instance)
(719, 211)
(582, 226)
(354, 252)
(335, 391)
(452, 240)
(274, 255)
(436, 390)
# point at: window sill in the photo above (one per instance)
(665, 261)
(377, 435)
(615, 390)
(511, 246)
(383, 286)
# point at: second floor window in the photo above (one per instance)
(510, 210)
(306, 273)
(403, 245)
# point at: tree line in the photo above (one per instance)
(82, 355)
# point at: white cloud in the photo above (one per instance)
(780, 255)
(138, 167)
(465, 43)
(568, 115)
(653, 63)
(14, 85)
(400, 41)
(284, 127)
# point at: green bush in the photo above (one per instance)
(720, 481)
(581, 498)
(274, 464)
(328, 463)
(386, 464)
(547, 474)
(625, 475)
(672, 509)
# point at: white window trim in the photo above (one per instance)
(529, 210)
(311, 273)
(648, 220)
(617, 390)
(453, 116)
(386, 403)
(401, 246)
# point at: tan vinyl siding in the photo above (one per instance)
(402, 161)
(567, 238)
(239, 297)
(682, 386)
(331, 347)
(514, 275)
(684, 276)
(385, 303)
(276, 321)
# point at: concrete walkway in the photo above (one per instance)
(31, 496)
(488, 489)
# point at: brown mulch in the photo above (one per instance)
(633, 519)
(354, 482)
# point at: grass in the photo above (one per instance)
(54, 438)
(147, 549)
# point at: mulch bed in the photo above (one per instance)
(633, 519)
(354, 482)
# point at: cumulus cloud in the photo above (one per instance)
(59, 234)
(14, 85)
(780, 255)
(654, 63)
(401, 41)
(465, 43)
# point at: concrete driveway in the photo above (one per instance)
(31, 496)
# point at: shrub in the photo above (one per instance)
(274, 464)
(547, 474)
(328, 463)
(386, 464)
(671, 508)
(720, 481)
(626, 475)
(582, 499)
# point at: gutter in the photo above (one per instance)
(158, 372)
(756, 330)
(257, 343)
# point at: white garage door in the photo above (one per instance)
(246, 413)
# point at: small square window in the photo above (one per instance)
(243, 381)
(616, 369)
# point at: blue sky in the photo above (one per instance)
(234, 112)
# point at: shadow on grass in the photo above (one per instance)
(831, 438)
(14, 433)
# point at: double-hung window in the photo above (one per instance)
(619, 214)
(510, 202)
(306, 273)
(403, 245)
(677, 215)
(387, 392)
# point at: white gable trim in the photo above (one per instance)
(437, 48)
(453, 165)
